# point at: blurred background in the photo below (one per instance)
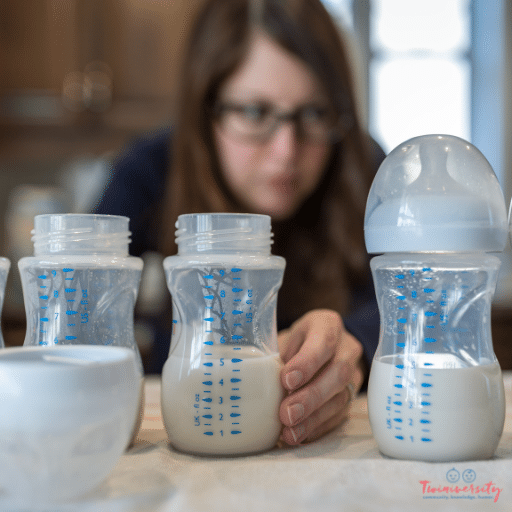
(80, 78)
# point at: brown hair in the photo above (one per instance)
(323, 242)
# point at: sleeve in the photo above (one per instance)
(135, 187)
(364, 320)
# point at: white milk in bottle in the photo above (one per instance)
(228, 407)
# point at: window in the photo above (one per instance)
(432, 66)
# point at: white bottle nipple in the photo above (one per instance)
(435, 193)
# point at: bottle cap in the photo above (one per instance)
(435, 193)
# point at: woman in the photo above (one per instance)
(267, 124)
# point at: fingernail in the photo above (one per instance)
(293, 379)
(298, 433)
(295, 413)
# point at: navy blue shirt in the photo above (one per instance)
(135, 189)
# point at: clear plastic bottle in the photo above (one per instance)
(81, 285)
(5, 265)
(435, 391)
(221, 388)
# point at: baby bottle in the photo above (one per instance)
(80, 286)
(221, 388)
(5, 264)
(435, 391)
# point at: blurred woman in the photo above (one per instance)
(267, 123)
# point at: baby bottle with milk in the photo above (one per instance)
(435, 212)
(81, 285)
(220, 385)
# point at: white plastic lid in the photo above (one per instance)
(435, 193)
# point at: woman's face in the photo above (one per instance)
(276, 172)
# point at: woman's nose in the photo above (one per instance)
(284, 141)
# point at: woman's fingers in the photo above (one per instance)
(321, 421)
(317, 375)
(310, 343)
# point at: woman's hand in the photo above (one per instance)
(320, 360)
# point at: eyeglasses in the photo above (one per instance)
(257, 122)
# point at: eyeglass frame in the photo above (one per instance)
(336, 133)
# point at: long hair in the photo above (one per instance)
(323, 242)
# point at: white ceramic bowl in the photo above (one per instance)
(66, 416)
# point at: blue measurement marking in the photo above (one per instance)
(44, 319)
(209, 297)
(42, 286)
(237, 312)
(71, 338)
(71, 312)
(70, 290)
(400, 437)
(430, 340)
(209, 319)
(44, 297)
(71, 325)
(236, 269)
(208, 364)
(233, 380)
(208, 383)
(41, 277)
(237, 290)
